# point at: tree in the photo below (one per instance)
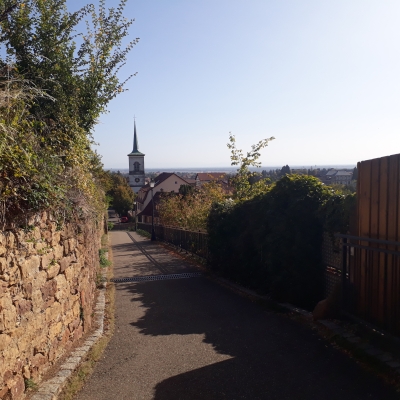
(190, 210)
(244, 189)
(39, 35)
(355, 174)
(285, 170)
(49, 161)
(120, 194)
(185, 190)
(123, 199)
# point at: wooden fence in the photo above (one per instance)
(373, 257)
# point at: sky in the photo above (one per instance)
(322, 77)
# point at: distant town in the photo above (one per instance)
(336, 174)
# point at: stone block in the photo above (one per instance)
(17, 387)
(39, 280)
(62, 287)
(4, 392)
(26, 372)
(5, 341)
(43, 396)
(65, 373)
(27, 290)
(8, 314)
(69, 273)
(10, 239)
(3, 263)
(64, 264)
(50, 388)
(55, 330)
(46, 260)
(52, 271)
(53, 313)
(14, 277)
(58, 251)
(55, 239)
(49, 289)
(77, 334)
(37, 301)
(30, 268)
(73, 325)
(23, 306)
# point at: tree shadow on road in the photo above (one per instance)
(272, 356)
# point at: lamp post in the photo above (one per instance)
(135, 206)
(153, 234)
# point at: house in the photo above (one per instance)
(334, 176)
(165, 182)
(205, 177)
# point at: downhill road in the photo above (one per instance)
(187, 339)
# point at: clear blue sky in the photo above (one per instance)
(323, 77)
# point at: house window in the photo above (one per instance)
(136, 166)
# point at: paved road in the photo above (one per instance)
(190, 339)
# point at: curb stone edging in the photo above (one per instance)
(50, 389)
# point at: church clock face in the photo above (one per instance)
(137, 180)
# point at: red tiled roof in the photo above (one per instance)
(205, 176)
(162, 177)
(148, 210)
(189, 181)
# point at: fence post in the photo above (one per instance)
(344, 272)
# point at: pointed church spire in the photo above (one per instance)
(135, 140)
(135, 150)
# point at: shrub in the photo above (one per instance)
(272, 243)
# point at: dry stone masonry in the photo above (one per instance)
(47, 293)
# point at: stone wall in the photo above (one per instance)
(47, 292)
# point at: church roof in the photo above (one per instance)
(135, 151)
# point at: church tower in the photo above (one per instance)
(136, 164)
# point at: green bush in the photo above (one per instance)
(272, 243)
(141, 232)
(104, 261)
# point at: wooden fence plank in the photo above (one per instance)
(364, 206)
(374, 267)
(382, 234)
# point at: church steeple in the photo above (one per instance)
(135, 150)
(136, 164)
(135, 141)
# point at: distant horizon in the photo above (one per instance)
(230, 168)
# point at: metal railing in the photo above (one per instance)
(129, 226)
(371, 280)
(195, 242)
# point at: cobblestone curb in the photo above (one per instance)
(49, 390)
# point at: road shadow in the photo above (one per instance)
(272, 356)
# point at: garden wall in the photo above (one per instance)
(47, 294)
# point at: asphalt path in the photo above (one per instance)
(189, 339)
